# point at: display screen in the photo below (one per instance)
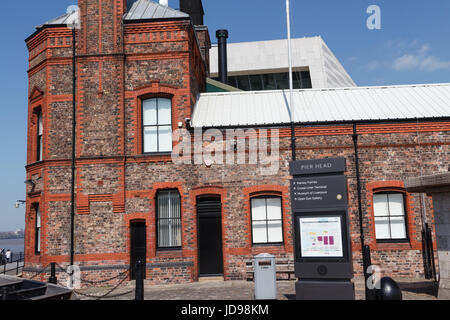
(321, 237)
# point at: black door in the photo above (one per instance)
(209, 213)
(138, 246)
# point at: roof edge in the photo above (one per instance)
(328, 123)
(444, 84)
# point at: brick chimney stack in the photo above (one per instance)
(195, 9)
(101, 26)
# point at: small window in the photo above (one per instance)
(169, 219)
(157, 125)
(267, 226)
(37, 242)
(390, 216)
(39, 136)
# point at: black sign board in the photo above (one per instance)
(319, 192)
(321, 228)
(322, 166)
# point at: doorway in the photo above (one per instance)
(138, 248)
(209, 213)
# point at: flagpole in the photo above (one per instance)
(291, 94)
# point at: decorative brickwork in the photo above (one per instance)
(118, 65)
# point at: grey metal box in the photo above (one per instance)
(265, 277)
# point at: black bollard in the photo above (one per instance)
(388, 290)
(367, 262)
(139, 294)
(52, 278)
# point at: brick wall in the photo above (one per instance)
(117, 67)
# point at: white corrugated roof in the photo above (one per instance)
(322, 105)
(146, 9)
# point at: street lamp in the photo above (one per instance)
(18, 203)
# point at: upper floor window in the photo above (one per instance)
(37, 242)
(39, 131)
(267, 224)
(390, 216)
(168, 223)
(157, 125)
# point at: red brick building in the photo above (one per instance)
(127, 185)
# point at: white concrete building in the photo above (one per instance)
(271, 57)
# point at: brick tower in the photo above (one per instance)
(121, 60)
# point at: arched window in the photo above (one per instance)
(267, 225)
(390, 216)
(157, 125)
(168, 220)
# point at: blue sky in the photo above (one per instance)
(413, 46)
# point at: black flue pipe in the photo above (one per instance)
(365, 250)
(222, 36)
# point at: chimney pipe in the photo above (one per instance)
(222, 36)
(194, 8)
(164, 2)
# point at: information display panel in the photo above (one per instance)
(321, 237)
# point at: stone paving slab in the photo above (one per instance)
(412, 289)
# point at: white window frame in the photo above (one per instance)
(382, 216)
(266, 220)
(156, 125)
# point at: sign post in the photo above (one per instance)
(323, 257)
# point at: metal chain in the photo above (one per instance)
(106, 280)
(125, 274)
(107, 294)
(95, 282)
(38, 273)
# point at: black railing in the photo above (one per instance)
(428, 253)
(14, 263)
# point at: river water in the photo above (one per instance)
(15, 245)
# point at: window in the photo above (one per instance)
(37, 242)
(270, 81)
(39, 136)
(390, 217)
(266, 220)
(157, 125)
(168, 219)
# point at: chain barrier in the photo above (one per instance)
(106, 295)
(40, 272)
(95, 282)
(97, 297)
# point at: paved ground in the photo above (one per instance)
(244, 290)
